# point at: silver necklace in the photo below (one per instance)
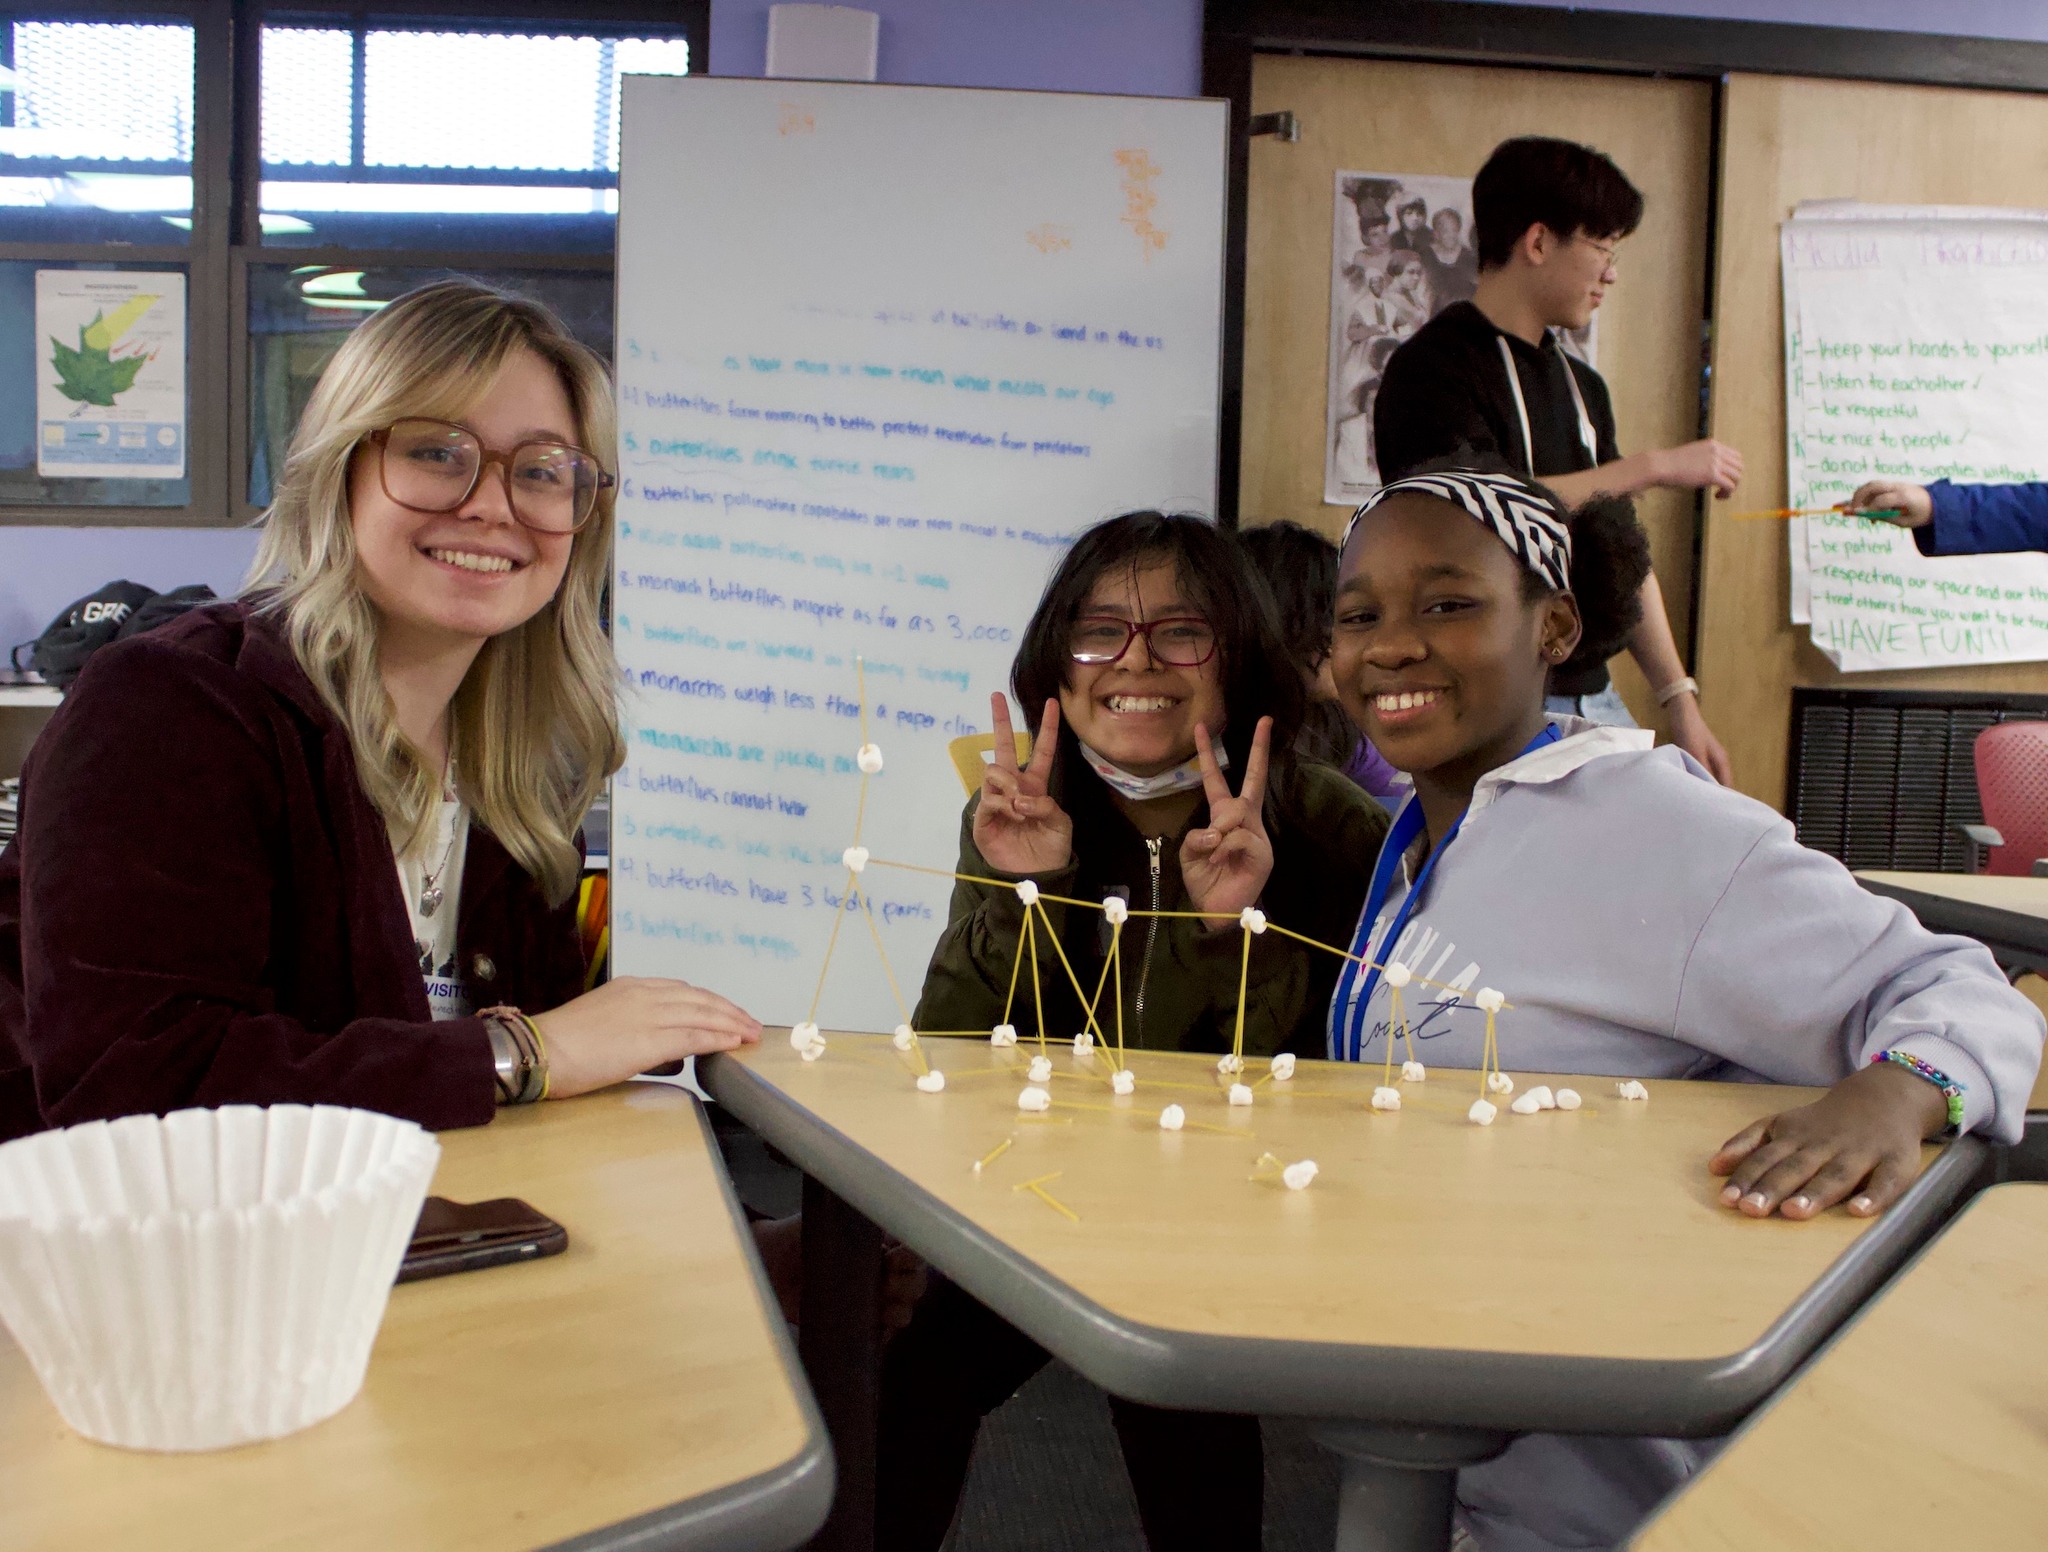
(430, 883)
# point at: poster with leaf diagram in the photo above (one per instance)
(110, 374)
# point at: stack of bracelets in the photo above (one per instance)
(519, 1057)
(1951, 1090)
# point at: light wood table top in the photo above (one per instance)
(1925, 1424)
(1433, 1264)
(635, 1384)
(2021, 896)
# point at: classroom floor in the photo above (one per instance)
(1046, 1475)
(1046, 1478)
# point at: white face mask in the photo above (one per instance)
(1138, 788)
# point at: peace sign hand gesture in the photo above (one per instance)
(1017, 828)
(1226, 865)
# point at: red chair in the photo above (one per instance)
(2012, 785)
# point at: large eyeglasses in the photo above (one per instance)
(434, 465)
(1184, 641)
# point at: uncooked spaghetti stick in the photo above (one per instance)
(1116, 937)
(993, 1154)
(1054, 1203)
(831, 942)
(1065, 964)
(1244, 978)
(1036, 1180)
(1017, 969)
(963, 878)
(1037, 991)
(1395, 1019)
(1356, 959)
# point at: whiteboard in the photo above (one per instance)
(882, 351)
(1914, 347)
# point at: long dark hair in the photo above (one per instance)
(1257, 676)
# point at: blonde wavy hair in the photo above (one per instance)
(535, 723)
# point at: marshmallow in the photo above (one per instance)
(1413, 1072)
(801, 1035)
(1628, 1088)
(1481, 1113)
(1489, 1000)
(932, 1082)
(1172, 1118)
(814, 1050)
(1283, 1067)
(1084, 1043)
(1003, 1034)
(1252, 920)
(1034, 1099)
(1123, 1082)
(1398, 974)
(869, 760)
(855, 858)
(1027, 893)
(1299, 1175)
(1116, 910)
(1568, 1099)
(1525, 1104)
(1386, 1099)
(1545, 1100)
(903, 1039)
(1239, 1094)
(1500, 1083)
(1232, 1063)
(1041, 1069)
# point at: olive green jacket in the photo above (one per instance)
(1179, 979)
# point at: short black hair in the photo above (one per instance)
(1610, 559)
(1419, 206)
(1215, 575)
(1567, 187)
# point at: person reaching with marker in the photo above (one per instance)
(1950, 519)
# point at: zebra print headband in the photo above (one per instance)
(1521, 519)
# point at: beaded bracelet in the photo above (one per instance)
(1951, 1090)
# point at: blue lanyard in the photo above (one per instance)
(1348, 1010)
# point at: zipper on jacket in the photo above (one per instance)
(1153, 851)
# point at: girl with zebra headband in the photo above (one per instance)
(1648, 922)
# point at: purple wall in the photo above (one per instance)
(2024, 19)
(43, 569)
(1148, 48)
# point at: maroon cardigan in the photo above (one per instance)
(201, 906)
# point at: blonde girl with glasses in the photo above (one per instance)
(319, 844)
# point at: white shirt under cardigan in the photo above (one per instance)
(434, 936)
(1646, 922)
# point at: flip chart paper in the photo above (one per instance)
(1919, 349)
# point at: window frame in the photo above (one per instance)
(226, 236)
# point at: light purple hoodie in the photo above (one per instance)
(1646, 922)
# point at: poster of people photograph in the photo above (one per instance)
(1401, 251)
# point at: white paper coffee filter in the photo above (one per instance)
(209, 1278)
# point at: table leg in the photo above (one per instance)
(1400, 1483)
(839, 1339)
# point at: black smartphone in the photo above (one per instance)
(465, 1236)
